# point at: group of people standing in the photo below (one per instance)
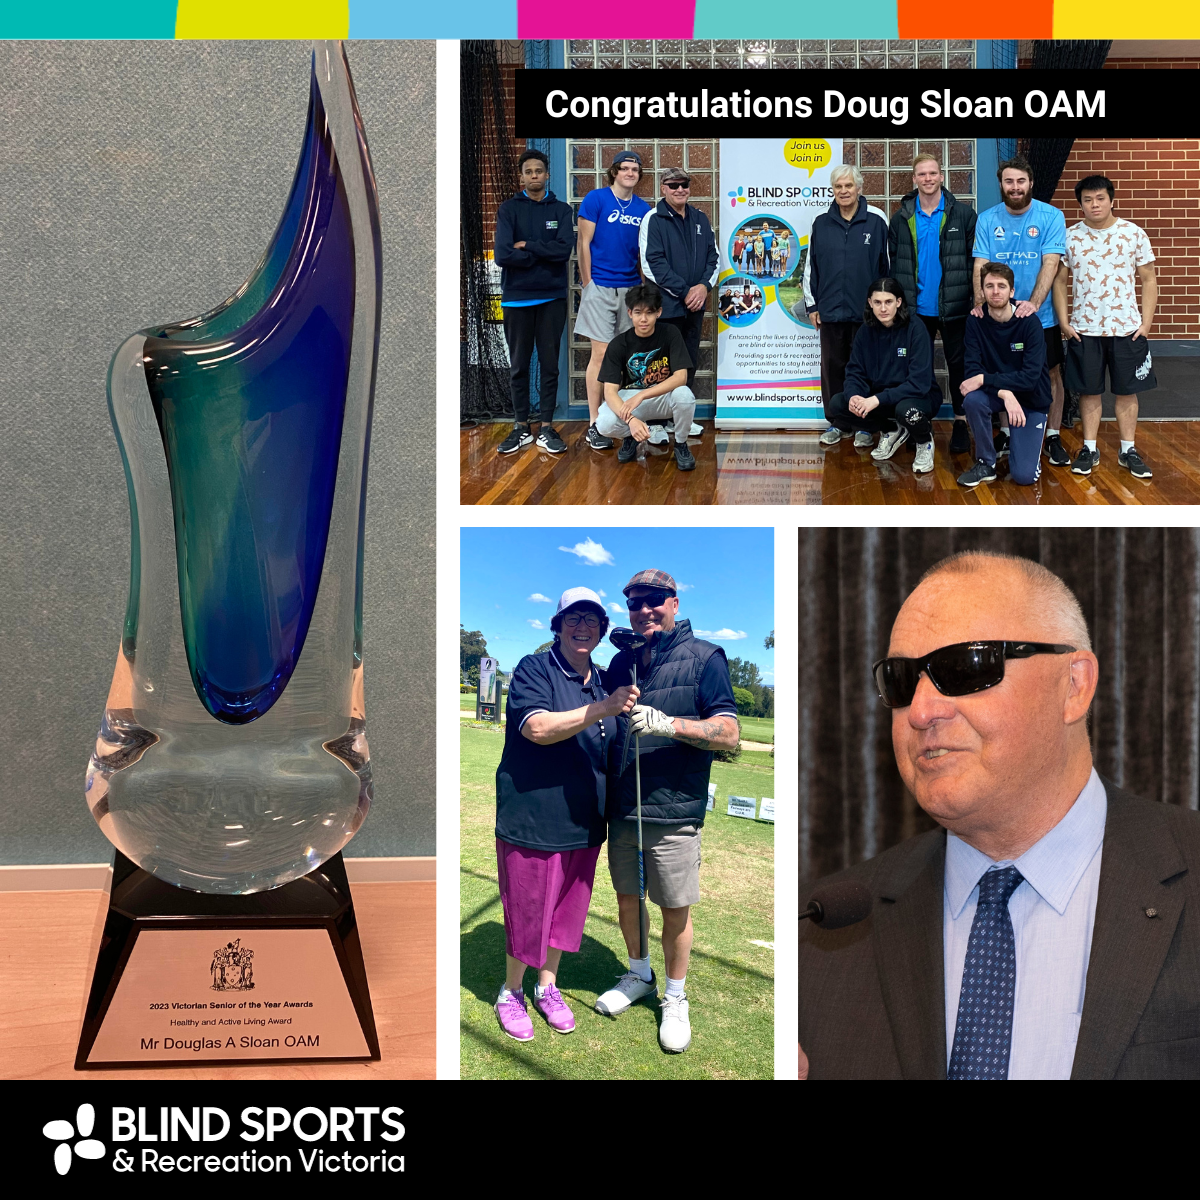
(994, 288)
(664, 257)
(762, 251)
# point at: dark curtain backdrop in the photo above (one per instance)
(1140, 592)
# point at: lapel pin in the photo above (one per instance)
(1152, 912)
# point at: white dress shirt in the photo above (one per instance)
(1052, 912)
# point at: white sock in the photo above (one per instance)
(538, 990)
(675, 986)
(1052, 433)
(641, 968)
(1004, 424)
(1090, 445)
(1126, 446)
(505, 993)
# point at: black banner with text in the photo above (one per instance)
(919, 104)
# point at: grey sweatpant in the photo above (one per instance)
(679, 405)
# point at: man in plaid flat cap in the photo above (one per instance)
(685, 711)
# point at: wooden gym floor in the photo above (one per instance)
(793, 468)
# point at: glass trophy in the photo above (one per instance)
(232, 765)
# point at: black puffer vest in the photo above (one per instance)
(674, 774)
(956, 241)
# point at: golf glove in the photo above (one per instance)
(646, 721)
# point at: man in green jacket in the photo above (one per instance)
(930, 240)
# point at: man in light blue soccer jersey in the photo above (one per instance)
(1030, 237)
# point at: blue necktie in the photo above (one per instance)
(983, 1031)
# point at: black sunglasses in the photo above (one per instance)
(956, 670)
(654, 599)
(678, 184)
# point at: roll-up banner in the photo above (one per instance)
(768, 352)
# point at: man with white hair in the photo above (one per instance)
(847, 250)
(1041, 931)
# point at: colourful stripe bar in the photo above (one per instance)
(474, 18)
(786, 18)
(77, 19)
(953, 19)
(264, 19)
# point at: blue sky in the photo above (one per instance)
(512, 579)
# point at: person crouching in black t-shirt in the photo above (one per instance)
(644, 376)
(889, 385)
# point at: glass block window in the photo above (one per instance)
(886, 165)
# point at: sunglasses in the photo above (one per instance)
(957, 670)
(678, 185)
(654, 599)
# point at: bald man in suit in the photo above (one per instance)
(1050, 928)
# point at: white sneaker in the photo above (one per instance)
(695, 430)
(675, 1031)
(831, 436)
(923, 463)
(889, 443)
(631, 987)
(863, 439)
(659, 435)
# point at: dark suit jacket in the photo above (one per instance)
(872, 996)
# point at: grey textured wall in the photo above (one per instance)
(141, 182)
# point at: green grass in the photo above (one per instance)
(730, 980)
(758, 729)
(466, 701)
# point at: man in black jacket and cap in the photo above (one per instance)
(930, 241)
(535, 237)
(685, 711)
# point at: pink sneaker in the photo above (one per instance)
(514, 1020)
(554, 1008)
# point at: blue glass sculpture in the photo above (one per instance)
(232, 756)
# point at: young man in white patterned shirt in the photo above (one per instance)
(1106, 329)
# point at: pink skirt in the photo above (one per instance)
(545, 894)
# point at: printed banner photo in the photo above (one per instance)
(768, 352)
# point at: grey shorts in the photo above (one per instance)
(602, 313)
(672, 858)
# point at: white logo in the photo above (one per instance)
(866, 239)
(63, 1131)
(998, 231)
(1144, 369)
(613, 216)
(623, 218)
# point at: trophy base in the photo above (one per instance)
(185, 978)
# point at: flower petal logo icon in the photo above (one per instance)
(736, 198)
(63, 1131)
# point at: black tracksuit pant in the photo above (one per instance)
(836, 339)
(539, 325)
(690, 325)
(953, 333)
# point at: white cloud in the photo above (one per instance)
(614, 607)
(721, 635)
(539, 598)
(684, 587)
(591, 552)
(538, 625)
(601, 592)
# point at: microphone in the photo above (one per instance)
(838, 904)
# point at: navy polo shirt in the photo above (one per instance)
(552, 797)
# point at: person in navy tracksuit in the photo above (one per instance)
(847, 250)
(679, 253)
(535, 237)
(1005, 366)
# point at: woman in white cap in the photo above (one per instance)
(550, 800)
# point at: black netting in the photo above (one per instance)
(487, 169)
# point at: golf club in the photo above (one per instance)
(626, 639)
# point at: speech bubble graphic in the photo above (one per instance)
(807, 154)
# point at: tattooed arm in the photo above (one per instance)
(712, 733)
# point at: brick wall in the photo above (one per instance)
(1158, 64)
(498, 190)
(1157, 187)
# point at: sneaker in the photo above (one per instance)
(979, 473)
(675, 1031)
(514, 1020)
(1137, 466)
(660, 435)
(630, 988)
(923, 463)
(889, 443)
(684, 458)
(520, 437)
(628, 450)
(549, 440)
(597, 440)
(694, 430)
(831, 436)
(554, 1008)
(1085, 460)
(1056, 452)
(1000, 443)
(960, 437)
(863, 440)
